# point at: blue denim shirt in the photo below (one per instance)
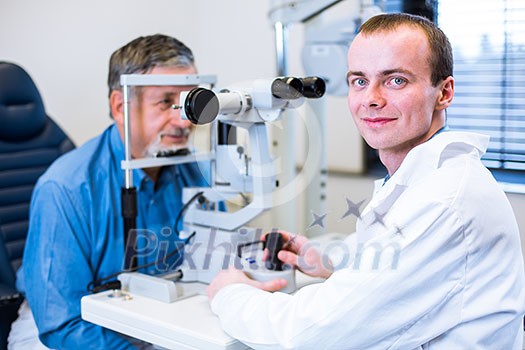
(76, 235)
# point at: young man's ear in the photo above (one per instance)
(116, 105)
(446, 93)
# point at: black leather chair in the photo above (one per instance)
(29, 142)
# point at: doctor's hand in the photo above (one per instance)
(232, 275)
(301, 253)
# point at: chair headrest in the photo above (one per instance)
(22, 113)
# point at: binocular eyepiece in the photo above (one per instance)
(290, 88)
(201, 106)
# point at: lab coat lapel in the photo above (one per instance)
(374, 220)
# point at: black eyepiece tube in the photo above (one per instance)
(201, 106)
(287, 88)
(313, 87)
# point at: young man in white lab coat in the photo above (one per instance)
(455, 277)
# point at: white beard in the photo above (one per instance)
(156, 147)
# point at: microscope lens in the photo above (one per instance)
(287, 88)
(201, 106)
(313, 87)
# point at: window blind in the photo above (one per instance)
(488, 40)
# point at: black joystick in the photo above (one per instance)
(274, 243)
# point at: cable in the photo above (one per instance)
(183, 210)
(95, 286)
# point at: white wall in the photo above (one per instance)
(65, 46)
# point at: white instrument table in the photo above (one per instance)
(184, 324)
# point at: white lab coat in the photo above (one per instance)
(448, 275)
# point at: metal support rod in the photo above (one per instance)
(281, 37)
(129, 216)
(128, 173)
(128, 195)
(317, 178)
(283, 140)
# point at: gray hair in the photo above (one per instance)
(144, 53)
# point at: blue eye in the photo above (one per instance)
(359, 82)
(398, 81)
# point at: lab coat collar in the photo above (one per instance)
(423, 160)
(430, 155)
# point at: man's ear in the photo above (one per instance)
(116, 104)
(446, 93)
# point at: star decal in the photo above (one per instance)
(352, 208)
(290, 242)
(318, 220)
(398, 231)
(379, 218)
